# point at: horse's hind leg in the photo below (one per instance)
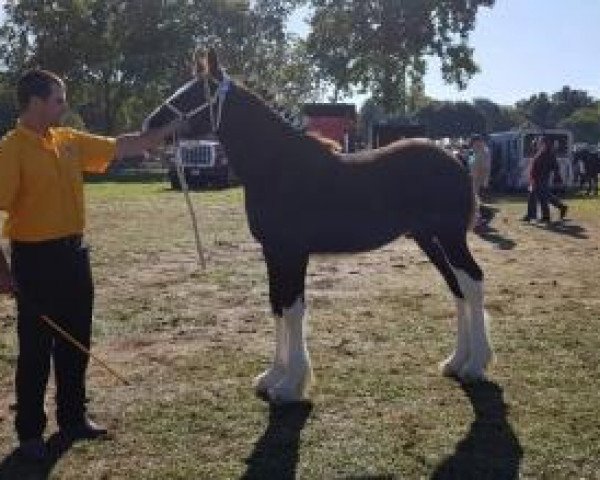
(289, 378)
(470, 279)
(454, 363)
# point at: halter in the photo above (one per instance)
(218, 98)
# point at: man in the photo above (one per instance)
(543, 165)
(41, 189)
(480, 173)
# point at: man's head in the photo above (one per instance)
(42, 95)
(477, 141)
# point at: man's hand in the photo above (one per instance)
(132, 144)
(7, 284)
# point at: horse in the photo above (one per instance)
(302, 197)
(589, 167)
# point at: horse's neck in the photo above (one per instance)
(253, 140)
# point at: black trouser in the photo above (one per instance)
(541, 193)
(53, 278)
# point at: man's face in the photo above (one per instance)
(55, 106)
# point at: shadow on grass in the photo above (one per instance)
(491, 449)
(14, 466)
(276, 454)
(564, 228)
(490, 234)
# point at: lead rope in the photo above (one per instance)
(188, 201)
(215, 123)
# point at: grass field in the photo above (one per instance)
(191, 341)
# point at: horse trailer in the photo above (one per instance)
(513, 151)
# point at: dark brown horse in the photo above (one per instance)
(302, 198)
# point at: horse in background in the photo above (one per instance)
(588, 163)
(302, 197)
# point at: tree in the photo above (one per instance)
(452, 119)
(585, 124)
(8, 111)
(119, 57)
(380, 46)
(547, 111)
(497, 118)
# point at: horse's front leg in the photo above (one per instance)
(289, 377)
(297, 380)
(272, 375)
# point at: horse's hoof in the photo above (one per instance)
(288, 392)
(451, 367)
(280, 396)
(470, 374)
(266, 380)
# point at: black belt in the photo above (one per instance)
(71, 241)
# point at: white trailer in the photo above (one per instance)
(513, 151)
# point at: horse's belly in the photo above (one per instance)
(352, 234)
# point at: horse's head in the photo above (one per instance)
(199, 101)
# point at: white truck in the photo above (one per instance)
(204, 164)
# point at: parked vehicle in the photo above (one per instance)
(336, 121)
(512, 153)
(204, 163)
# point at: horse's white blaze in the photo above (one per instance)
(296, 382)
(270, 377)
(454, 363)
(480, 350)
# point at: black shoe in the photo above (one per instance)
(85, 430)
(563, 211)
(33, 450)
(527, 218)
(545, 220)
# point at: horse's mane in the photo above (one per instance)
(329, 143)
(312, 137)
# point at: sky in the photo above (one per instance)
(524, 47)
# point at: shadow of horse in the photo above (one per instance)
(14, 466)
(275, 454)
(491, 450)
(490, 234)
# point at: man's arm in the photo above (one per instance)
(132, 144)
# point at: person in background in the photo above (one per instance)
(543, 164)
(480, 173)
(41, 189)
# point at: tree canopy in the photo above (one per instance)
(118, 57)
(381, 46)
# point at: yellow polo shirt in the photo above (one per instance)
(41, 180)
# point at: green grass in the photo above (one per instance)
(191, 341)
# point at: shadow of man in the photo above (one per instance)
(491, 450)
(568, 229)
(14, 466)
(275, 455)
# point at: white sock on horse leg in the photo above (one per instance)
(454, 363)
(480, 350)
(296, 382)
(270, 377)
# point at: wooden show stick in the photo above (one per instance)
(68, 337)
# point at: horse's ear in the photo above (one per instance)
(213, 64)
